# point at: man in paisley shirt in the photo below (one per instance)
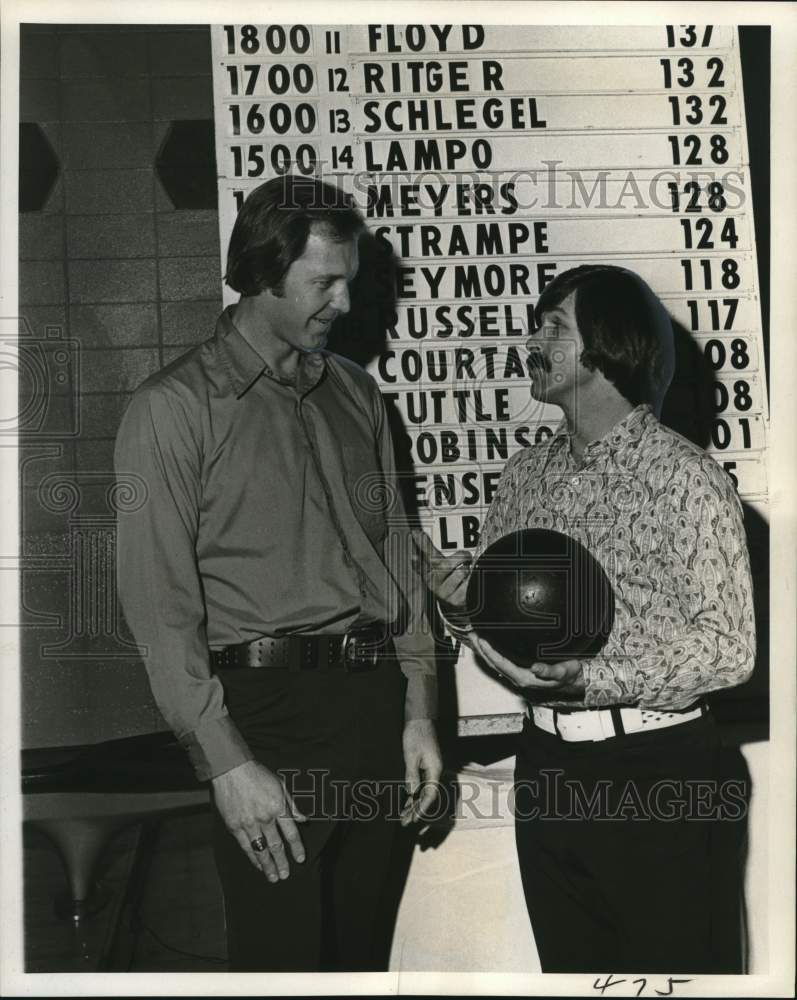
(616, 792)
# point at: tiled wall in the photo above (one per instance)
(133, 282)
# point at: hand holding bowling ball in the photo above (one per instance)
(566, 677)
(538, 596)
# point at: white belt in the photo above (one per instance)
(599, 723)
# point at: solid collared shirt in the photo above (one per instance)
(665, 523)
(270, 509)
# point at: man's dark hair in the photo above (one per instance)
(627, 332)
(272, 227)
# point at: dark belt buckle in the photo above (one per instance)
(358, 654)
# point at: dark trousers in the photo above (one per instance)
(616, 843)
(336, 738)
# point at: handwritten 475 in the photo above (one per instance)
(610, 981)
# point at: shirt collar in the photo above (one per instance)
(556, 447)
(625, 433)
(244, 365)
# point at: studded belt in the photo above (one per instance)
(355, 651)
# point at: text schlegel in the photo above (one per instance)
(460, 114)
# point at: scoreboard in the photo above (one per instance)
(490, 158)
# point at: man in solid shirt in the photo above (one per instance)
(613, 836)
(265, 577)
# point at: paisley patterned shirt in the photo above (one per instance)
(665, 523)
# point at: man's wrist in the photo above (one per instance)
(575, 689)
(236, 769)
(455, 612)
(215, 747)
(576, 685)
(421, 698)
(456, 619)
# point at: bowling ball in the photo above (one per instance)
(539, 596)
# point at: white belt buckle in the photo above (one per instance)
(580, 727)
(632, 719)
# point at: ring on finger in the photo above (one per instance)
(259, 844)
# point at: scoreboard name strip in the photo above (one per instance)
(490, 158)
